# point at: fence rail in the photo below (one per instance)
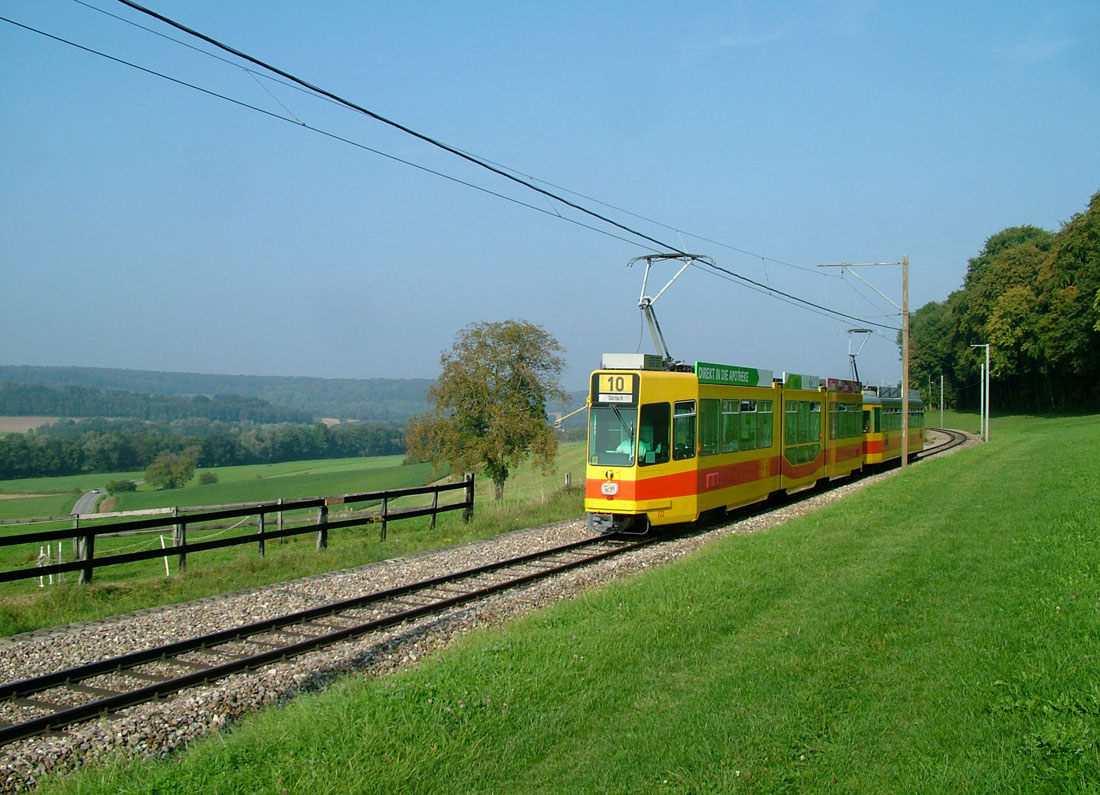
(86, 562)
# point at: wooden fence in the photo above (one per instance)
(85, 537)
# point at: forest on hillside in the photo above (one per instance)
(74, 400)
(1034, 297)
(70, 447)
(383, 399)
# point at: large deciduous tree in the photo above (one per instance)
(490, 401)
(171, 470)
(1034, 297)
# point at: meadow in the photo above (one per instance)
(934, 632)
(531, 497)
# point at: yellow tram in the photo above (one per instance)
(666, 445)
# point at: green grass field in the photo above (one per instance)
(531, 498)
(936, 632)
(235, 484)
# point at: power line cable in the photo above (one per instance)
(465, 156)
(655, 222)
(207, 53)
(396, 125)
(472, 155)
(753, 284)
(765, 289)
(318, 130)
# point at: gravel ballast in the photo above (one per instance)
(157, 729)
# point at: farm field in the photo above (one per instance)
(23, 424)
(935, 632)
(235, 474)
(531, 498)
(56, 496)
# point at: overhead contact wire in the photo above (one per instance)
(317, 130)
(445, 147)
(459, 153)
(396, 125)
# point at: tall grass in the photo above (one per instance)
(936, 632)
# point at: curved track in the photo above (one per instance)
(955, 439)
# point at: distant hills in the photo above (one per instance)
(380, 399)
(76, 401)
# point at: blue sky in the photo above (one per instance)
(146, 225)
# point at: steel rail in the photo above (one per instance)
(956, 439)
(20, 691)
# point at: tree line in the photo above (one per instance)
(74, 400)
(1034, 297)
(73, 447)
(380, 399)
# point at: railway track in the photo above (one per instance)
(50, 702)
(66, 697)
(955, 439)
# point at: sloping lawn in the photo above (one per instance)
(937, 632)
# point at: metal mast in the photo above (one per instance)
(904, 338)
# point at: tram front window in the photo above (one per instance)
(611, 437)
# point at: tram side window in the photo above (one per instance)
(845, 419)
(803, 422)
(748, 424)
(729, 425)
(813, 429)
(764, 424)
(653, 434)
(683, 430)
(891, 420)
(708, 427)
(797, 422)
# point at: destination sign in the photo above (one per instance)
(841, 385)
(731, 375)
(620, 389)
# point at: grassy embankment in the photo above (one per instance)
(531, 498)
(936, 632)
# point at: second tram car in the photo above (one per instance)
(882, 421)
(665, 446)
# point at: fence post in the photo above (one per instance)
(322, 527)
(179, 539)
(279, 523)
(568, 480)
(385, 513)
(468, 498)
(260, 531)
(435, 508)
(87, 552)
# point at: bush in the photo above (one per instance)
(208, 478)
(115, 486)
